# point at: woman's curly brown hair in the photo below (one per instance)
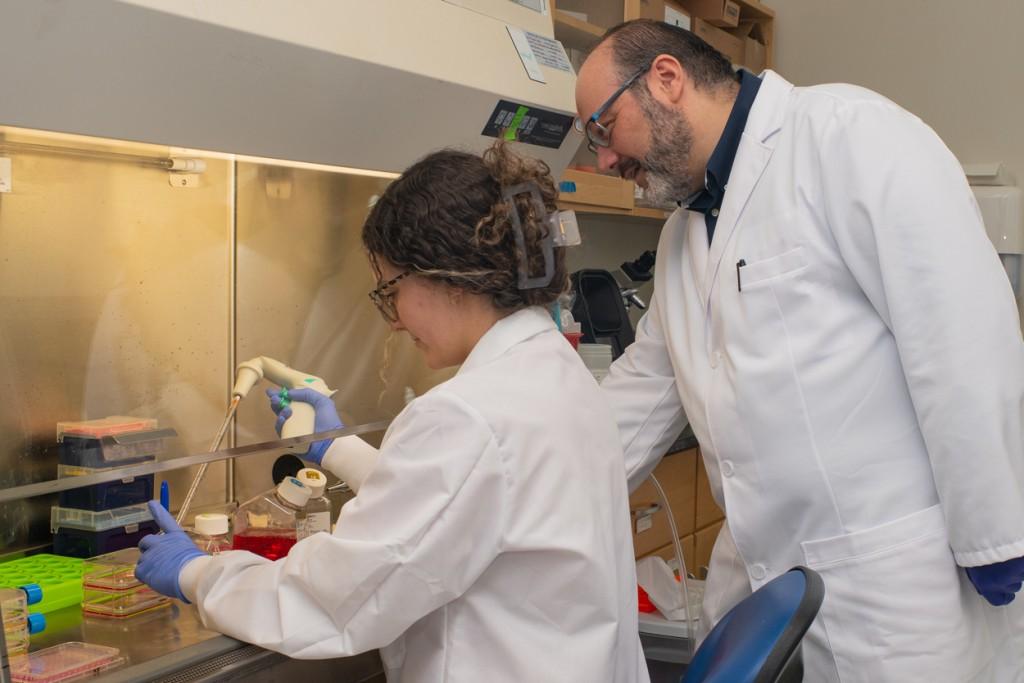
(445, 218)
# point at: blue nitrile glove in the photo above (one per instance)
(326, 417)
(999, 582)
(164, 555)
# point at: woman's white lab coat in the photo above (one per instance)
(488, 543)
(857, 387)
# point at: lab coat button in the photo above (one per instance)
(716, 359)
(714, 212)
(759, 571)
(727, 468)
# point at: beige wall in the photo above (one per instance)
(958, 65)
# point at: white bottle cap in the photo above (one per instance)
(211, 524)
(314, 479)
(294, 491)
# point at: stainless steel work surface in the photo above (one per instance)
(172, 644)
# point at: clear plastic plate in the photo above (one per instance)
(64, 662)
(113, 571)
(122, 604)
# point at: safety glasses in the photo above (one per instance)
(597, 134)
(384, 297)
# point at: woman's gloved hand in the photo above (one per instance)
(165, 555)
(998, 583)
(326, 416)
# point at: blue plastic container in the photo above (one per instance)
(114, 494)
(79, 543)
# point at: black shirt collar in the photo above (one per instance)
(716, 175)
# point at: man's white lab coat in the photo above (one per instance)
(857, 386)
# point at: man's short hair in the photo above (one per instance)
(636, 43)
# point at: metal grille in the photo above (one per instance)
(217, 666)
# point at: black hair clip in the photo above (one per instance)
(509, 194)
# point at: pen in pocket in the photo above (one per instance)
(739, 280)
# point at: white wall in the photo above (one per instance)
(958, 64)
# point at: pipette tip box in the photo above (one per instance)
(98, 520)
(110, 441)
(112, 494)
(80, 543)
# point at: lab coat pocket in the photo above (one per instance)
(897, 608)
(758, 273)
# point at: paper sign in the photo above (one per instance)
(529, 60)
(536, 5)
(549, 52)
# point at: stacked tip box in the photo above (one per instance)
(90, 447)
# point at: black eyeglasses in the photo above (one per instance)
(597, 134)
(385, 300)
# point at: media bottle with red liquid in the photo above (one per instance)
(269, 524)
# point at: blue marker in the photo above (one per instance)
(165, 496)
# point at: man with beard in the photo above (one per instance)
(830, 315)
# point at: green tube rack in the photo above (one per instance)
(59, 577)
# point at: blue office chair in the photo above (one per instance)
(758, 640)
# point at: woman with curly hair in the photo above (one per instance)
(487, 538)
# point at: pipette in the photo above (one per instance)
(301, 423)
(202, 468)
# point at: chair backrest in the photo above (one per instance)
(600, 311)
(758, 640)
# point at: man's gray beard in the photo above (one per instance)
(667, 165)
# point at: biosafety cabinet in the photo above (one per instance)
(182, 187)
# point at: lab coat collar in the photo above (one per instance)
(511, 330)
(766, 118)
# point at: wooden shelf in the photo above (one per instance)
(597, 193)
(635, 212)
(576, 33)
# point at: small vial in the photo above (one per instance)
(211, 533)
(318, 509)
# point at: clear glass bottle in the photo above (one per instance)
(318, 509)
(211, 532)
(268, 524)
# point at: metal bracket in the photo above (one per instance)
(184, 180)
(185, 171)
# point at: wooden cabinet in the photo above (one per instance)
(698, 518)
(677, 474)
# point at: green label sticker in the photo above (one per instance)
(309, 380)
(513, 126)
